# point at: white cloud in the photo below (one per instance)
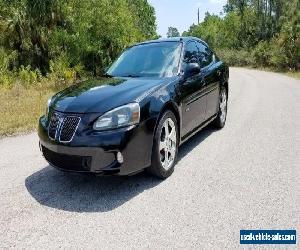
(217, 1)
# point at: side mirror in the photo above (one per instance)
(192, 69)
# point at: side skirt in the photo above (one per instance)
(197, 129)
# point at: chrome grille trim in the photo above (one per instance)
(54, 126)
(63, 127)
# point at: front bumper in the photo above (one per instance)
(96, 152)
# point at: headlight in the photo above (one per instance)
(123, 116)
(48, 107)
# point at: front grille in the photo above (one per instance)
(53, 126)
(68, 162)
(63, 127)
(68, 129)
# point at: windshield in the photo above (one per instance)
(148, 60)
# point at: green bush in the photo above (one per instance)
(237, 58)
(286, 50)
(27, 76)
(4, 61)
(6, 76)
(262, 54)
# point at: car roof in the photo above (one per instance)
(173, 39)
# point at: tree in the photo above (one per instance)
(73, 33)
(144, 18)
(265, 32)
(286, 45)
(173, 32)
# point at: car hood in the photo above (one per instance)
(103, 94)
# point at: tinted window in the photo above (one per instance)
(191, 54)
(205, 54)
(153, 59)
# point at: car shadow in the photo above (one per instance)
(194, 141)
(87, 193)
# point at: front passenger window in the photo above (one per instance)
(191, 54)
(206, 55)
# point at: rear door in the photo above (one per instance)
(192, 90)
(210, 74)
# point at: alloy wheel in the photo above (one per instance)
(223, 105)
(168, 144)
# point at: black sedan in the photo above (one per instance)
(154, 97)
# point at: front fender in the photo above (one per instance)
(163, 99)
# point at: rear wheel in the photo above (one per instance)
(165, 146)
(220, 120)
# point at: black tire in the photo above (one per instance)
(156, 169)
(220, 122)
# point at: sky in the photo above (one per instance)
(182, 13)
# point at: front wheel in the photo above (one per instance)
(220, 120)
(165, 146)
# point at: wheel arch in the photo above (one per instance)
(225, 84)
(167, 106)
(175, 110)
(224, 79)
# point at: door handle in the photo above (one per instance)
(202, 81)
(186, 83)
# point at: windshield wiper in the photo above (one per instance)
(131, 75)
(107, 75)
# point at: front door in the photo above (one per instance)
(192, 91)
(210, 73)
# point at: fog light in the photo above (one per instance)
(120, 158)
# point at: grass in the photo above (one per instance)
(21, 108)
(294, 74)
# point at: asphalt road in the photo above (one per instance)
(246, 176)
